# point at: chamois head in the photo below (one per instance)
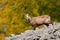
(27, 17)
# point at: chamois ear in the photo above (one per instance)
(25, 12)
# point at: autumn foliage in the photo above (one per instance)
(12, 19)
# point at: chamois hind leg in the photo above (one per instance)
(51, 22)
(34, 27)
(47, 25)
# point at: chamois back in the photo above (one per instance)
(40, 19)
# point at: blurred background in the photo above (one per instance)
(12, 19)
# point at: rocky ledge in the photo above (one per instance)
(52, 32)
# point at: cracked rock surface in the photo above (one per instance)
(52, 32)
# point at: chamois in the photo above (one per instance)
(38, 21)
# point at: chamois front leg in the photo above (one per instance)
(34, 27)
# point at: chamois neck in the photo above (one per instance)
(29, 19)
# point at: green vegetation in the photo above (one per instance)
(12, 19)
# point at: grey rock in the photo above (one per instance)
(52, 32)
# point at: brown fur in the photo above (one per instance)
(38, 21)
